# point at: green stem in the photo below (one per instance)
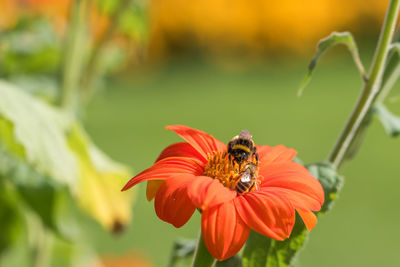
(202, 258)
(257, 249)
(74, 55)
(40, 241)
(89, 78)
(371, 88)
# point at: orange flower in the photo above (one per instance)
(199, 174)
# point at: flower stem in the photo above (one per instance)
(74, 55)
(40, 241)
(92, 69)
(202, 258)
(371, 88)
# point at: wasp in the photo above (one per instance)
(248, 178)
(241, 147)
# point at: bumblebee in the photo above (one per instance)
(248, 178)
(241, 148)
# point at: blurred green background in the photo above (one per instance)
(128, 123)
(212, 65)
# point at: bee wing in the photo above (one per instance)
(246, 177)
(246, 134)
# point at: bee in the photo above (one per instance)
(248, 178)
(242, 147)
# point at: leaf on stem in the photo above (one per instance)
(100, 183)
(35, 132)
(282, 253)
(390, 122)
(183, 250)
(261, 251)
(333, 39)
(46, 156)
(35, 156)
(42, 195)
(38, 53)
(330, 180)
(392, 71)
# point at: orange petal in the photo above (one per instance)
(206, 192)
(204, 143)
(223, 231)
(180, 150)
(275, 154)
(292, 176)
(266, 213)
(298, 199)
(309, 218)
(152, 188)
(166, 168)
(172, 204)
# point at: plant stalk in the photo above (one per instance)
(371, 88)
(40, 241)
(202, 258)
(92, 69)
(74, 54)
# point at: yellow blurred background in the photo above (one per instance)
(255, 26)
(226, 27)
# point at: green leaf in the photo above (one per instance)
(282, 253)
(40, 130)
(184, 247)
(333, 39)
(31, 47)
(7, 139)
(10, 216)
(392, 70)
(183, 250)
(45, 155)
(100, 183)
(133, 22)
(42, 199)
(32, 134)
(44, 196)
(39, 86)
(330, 180)
(256, 250)
(390, 122)
(51, 203)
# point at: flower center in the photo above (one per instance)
(242, 177)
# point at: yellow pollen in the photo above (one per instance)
(228, 172)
